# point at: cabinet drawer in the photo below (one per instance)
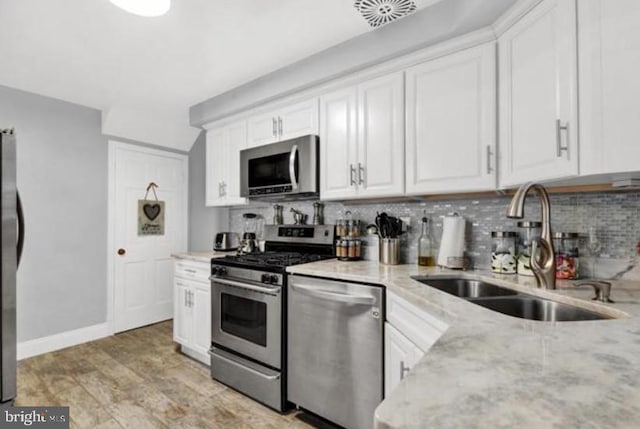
(198, 271)
(417, 325)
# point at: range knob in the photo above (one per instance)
(274, 279)
(218, 271)
(265, 278)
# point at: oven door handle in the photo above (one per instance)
(217, 353)
(333, 296)
(292, 166)
(242, 285)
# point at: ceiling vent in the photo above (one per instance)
(380, 12)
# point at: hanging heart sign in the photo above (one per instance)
(151, 210)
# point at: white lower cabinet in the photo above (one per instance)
(192, 310)
(400, 354)
(408, 333)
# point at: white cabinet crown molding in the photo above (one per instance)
(513, 15)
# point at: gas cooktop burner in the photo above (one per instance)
(275, 259)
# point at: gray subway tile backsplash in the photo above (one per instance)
(615, 215)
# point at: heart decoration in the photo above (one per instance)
(152, 211)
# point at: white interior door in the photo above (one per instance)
(142, 265)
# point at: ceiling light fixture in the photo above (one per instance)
(144, 7)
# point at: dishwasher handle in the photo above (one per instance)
(333, 296)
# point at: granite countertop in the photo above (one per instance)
(200, 256)
(489, 370)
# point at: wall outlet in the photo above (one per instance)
(406, 223)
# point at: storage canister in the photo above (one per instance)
(529, 231)
(503, 252)
(567, 255)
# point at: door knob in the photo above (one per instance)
(121, 252)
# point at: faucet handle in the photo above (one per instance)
(602, 289)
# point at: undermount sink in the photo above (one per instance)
(510, 302)
(533, 308)
(465, 288)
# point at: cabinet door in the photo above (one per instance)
(201, 308)
(538, 95)
(215, 155)
(182, 315)
(298, 120)
(263, 129)
(338, 150)
(381, 137)
(609, 57)
(236, 140)
(451, 123)
(400, 354)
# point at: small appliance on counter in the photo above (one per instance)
(451, 254)
(249, 242)
(226, 242)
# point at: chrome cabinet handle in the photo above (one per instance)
(334, 296)
(352, 175)
(189, 270)
(274, 129)
(292, 166)
(489, 169)
(360, 174)
(279, 126)
(403, 370)
(186, 292)
(190, 299)
(559, 129)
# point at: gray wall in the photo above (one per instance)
(62, 178)
(204, 222)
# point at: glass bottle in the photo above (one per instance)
(425, 246)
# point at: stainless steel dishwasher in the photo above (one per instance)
(335, 349)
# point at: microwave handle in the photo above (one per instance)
(292, 166)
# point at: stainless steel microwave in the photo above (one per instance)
(276, 170)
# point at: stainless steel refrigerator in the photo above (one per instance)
(12, 238)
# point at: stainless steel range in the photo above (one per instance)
(248, 310)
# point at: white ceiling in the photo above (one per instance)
(144, 73)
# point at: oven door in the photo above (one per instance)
(247, 319)
(283, 168)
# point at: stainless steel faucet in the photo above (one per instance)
(544, 266)
(602, 289)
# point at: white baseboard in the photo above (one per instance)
(38, 346)
(205, 359)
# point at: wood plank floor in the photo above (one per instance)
(138, 379)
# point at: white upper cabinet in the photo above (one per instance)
(538, 95)
(381, 137)
(609, 58)
(451, 123)
(287, 122)
(362, 140)
(338, 144)
(223, 148)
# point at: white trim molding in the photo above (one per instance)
(38, 346)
